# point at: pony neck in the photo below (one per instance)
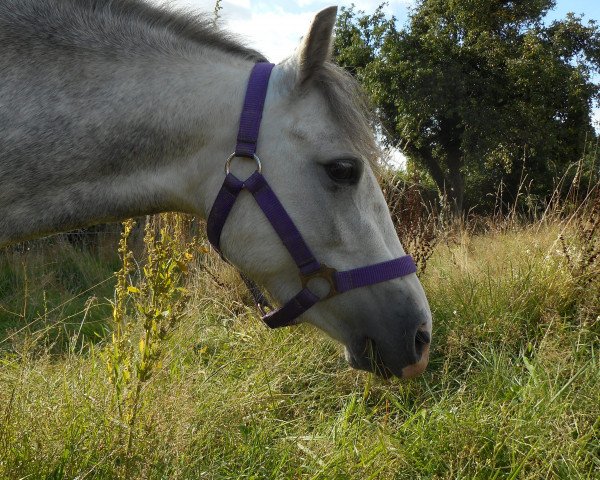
(147, 136)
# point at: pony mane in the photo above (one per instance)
(127, 24)
(352, 110)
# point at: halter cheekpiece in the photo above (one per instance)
(256, 184)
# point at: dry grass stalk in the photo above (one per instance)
(416, 224)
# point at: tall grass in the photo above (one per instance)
(53, 293)
(511, 391)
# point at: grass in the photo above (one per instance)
(51, 289)
(511, 392)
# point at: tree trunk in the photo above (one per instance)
(456, 182)
(457, 193)
(451, 184)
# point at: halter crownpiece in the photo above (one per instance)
(256, 184)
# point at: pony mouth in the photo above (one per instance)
(366, 356)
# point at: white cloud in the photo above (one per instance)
(368, 6)
(238, 3)
(394, 158)
(276, 33)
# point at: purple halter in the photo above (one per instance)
(256, 184)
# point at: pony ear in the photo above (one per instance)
(315, 48)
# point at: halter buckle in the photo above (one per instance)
(325, 273)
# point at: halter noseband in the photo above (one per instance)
(256, 184)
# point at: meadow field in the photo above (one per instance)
(512, 390)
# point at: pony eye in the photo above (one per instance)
(343, 171)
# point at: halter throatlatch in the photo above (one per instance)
(256, 184)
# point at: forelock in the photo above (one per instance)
(351, 109)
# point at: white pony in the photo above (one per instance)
(114, 108)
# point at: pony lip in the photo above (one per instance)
(411, 371)
(364, 355)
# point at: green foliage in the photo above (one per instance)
(478, 93)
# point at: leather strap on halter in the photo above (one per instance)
(287, 231)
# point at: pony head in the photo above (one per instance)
(318, 153)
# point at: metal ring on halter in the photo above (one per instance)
(233, 155)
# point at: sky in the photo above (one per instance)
(275, 28)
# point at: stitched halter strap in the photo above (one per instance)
(257, 185)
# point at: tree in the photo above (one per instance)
(478, 92)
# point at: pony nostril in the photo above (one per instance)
(422, 340)
(422, 337)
